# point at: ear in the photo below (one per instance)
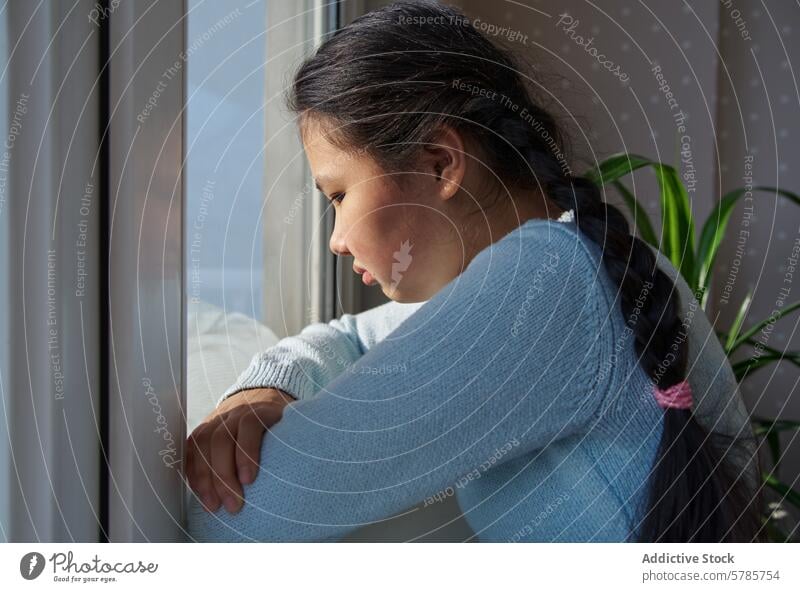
(444, 160)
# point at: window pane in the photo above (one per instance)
(224, 149)
(252, 263)
(224, 175)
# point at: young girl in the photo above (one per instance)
(535, 358)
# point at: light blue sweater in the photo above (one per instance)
(515, 388)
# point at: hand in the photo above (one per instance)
(222, 453)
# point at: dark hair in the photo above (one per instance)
(390, 78)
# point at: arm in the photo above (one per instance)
(503, 353)
(301, 364)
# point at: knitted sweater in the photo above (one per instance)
(515, 388)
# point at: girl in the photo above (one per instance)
(534, 352)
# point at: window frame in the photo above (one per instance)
(148, 279)
(50, 376)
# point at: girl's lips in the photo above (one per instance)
(367, 278)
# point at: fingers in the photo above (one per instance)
(198, 466)
(223, 464)
(222, 454)
(251, 433)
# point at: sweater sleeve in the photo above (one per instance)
(301, 364)
(503, 358)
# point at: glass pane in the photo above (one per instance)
(224, 141)
(224, 177)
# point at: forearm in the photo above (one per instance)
(302, 364)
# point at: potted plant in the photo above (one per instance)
(696, 264)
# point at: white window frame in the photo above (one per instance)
(50, 472)
(148, 278)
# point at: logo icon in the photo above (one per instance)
(402, 261)
(31, 565)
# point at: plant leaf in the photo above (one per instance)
(677, 222)
(778, 425)
(747, 367)
(772, 350)
(737, 324)
(676, 215)
(758, 326)
(711, 237)
(714, 231)
(616, 166)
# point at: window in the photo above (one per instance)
(255, 242)
(204, 167)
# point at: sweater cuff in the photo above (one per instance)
(286, 376)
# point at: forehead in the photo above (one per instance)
(328, 161)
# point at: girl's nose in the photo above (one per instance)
(337, 242)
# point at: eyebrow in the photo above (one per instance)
(321, 179)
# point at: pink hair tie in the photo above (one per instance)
(678, 396)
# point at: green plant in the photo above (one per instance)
(677, 241)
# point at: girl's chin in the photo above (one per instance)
(403, 297)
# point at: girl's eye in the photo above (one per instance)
(338, 197)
